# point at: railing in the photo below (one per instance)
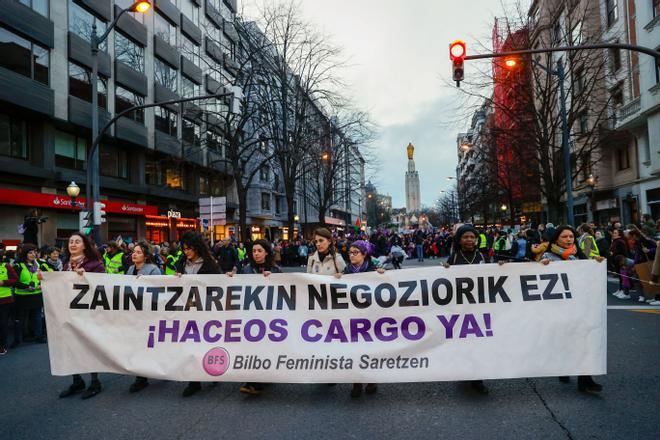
(628, 110)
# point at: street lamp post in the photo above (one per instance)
(93, 176)
(73, 191)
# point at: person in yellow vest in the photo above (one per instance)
(483, 245)
(113, 259)
(27, 290)
(588, 242)
(173, 257)
(8, 278)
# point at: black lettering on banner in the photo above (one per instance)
(75, 302)
(194, 300)
(116, 293)
(526, 286)
(378, 295)
(213, 296)
(336, 294)
(252, 297)
(170, 307)
(366, 295)
(232, 299)
(552, 281)
(318, 298)
(410, 288)
(155, 292)
(436, 295)
(425, 292)
(286, 297)
(100, 299)
(464, 288)
(496, 288)
(480, 290)
(130, 297)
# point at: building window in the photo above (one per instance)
(191, 132)
(129, 52)
(584, 122)
(278, 205)
(165, 75)
(264, 173)
(80, 85)
(578, 82)
(556, 33)
(70, 150)
(615, 58)
(214, 142)
(38, 6)
(576, 34)
(189, 88)
(113, 162)
(265, 201)
(190, 50)
(125, 99)
(656, 8)
(23, 57)
(175, 177)
(127, 4)
(165, 30)
(152, 172)
(612, 11)
(617, 96)
(166, 121)
(82, 21)
(190, 10)
(203, 185)
(13, 137)
(622, 159)
(229, 47)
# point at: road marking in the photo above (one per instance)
(649, 309)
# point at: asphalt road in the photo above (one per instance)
(542, 408)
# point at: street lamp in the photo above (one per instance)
(504, 208)
(93, 178)
(465, 147)
(591, 184)
(73, 191)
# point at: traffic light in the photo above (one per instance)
(85, 222)
(99, 213)
(457, 56)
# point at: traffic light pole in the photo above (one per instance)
(561, 75)
(93, 150)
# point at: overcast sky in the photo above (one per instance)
(398, 51)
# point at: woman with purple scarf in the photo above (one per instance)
(360, 261)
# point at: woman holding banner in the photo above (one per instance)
(326, 260)
(260, 261)
(143, 264)
(563, 248)
(83, 257)
(464, 251)
(198, 260)
(359, 254)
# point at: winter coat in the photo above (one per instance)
(147, 269)
(326, 267)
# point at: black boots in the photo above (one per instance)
(93, 389)
(192, 388)
(587, 384)
(139, 384)
(76, 387)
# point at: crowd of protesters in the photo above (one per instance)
(325, 253)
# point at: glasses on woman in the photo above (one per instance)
(354, 253)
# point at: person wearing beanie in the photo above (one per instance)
(465, 251)
(359, 254)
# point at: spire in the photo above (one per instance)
(411, 150)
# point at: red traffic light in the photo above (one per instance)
(457, 50)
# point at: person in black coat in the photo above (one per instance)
(197, 261)
(260, 262)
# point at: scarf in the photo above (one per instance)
(74, 263)
(351, 268)
(565, 254)
(32, 267)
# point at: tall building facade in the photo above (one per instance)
(154, 163)
(413, 196)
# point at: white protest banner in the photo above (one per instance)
(423, 324)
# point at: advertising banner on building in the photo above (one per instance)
(422, 324)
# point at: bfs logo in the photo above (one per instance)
(216, 361)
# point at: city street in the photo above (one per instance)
(628, 407)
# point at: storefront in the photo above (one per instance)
(170, 227)
(123, 219)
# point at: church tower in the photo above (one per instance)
(413, 198)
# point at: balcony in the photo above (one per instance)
(628, 112)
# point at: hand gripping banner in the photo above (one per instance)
(423, 324)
